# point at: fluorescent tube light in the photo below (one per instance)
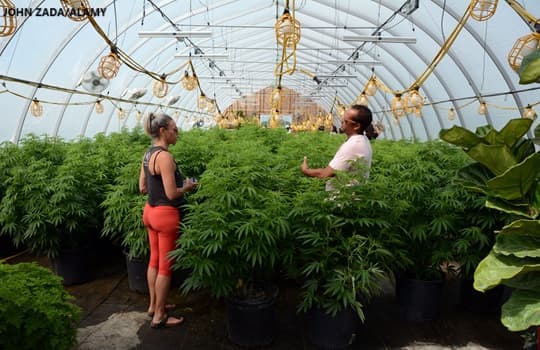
(175, 34)
(367, 63)
(380, 39)
(213, 56)
(338, 76)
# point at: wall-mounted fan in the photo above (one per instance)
(93, 82)
(173, 100)
(134, 94)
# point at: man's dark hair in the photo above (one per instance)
(364, 117)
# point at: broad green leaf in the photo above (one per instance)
(529, 70)
(484, 130)
(537, 134)
(522, 310)
(523, 149)
(517, 180)
(513, 131)
(494, 269)
(521, 209)
(474, 176)
(518, 244)
(460, 137)
(497, 158)
(526, 281)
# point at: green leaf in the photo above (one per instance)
(497, 158)
(522, 310)
(521, 209)
(494, 269)
(517, 180)
(460, 137)
(528, 281)
(537, 134)
(529, 70)
(521, 238)
(513, 131)
(474, 176)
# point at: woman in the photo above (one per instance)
(162, 180)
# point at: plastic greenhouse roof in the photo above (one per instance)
(51, 50)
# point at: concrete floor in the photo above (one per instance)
(114, 317)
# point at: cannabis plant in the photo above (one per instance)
(341, 239)
(236, 226)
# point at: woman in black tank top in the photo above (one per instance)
(161, 179)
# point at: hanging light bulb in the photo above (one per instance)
(415, 99)
(341, 110)
(483, 9)
(275, 98)
(121, 113)
(138, 115)
(8, 24)
(36, 108)
(371, 86)
(287, 30)
(109, 66)
(418, 111)
(397, 106)
(363, 100)
(188, 82)
(523, 46)
(98, 107)
(201, 101)
(211, 106)
(529, 113)
(451, 114)
(161, 87)
(482, 108)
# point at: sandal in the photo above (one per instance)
(164, 324)
(168, 308)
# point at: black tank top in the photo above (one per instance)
(154, 183)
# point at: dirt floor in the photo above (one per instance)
(114, 317)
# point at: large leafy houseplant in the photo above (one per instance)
(507, 171)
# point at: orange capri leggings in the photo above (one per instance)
(162, 223)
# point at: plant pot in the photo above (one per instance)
(72, 265)
(136, 271)
(251, 322)
(418, 300)
(475, 301)
(331, 332)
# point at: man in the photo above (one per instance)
(356, 124)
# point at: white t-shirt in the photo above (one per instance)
(357, 146)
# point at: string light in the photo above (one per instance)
(397, 106)
(482, 108)
(121, 114)
(201, 101)
(363, 100)
(98, 107)
(36, 108)
(109, 66)
(451, 114)
(371, 87)
(160, 88)
(529, 113)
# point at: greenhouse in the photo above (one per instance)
(341, 174)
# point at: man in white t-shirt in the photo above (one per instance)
(356, 124)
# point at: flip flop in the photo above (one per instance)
(163, 323)
(168, 308)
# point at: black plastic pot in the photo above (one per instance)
(251, 323)
(331, 332)
(72, 265)
(475, 301)
(136, 271)
(418, 300)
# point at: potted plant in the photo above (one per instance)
(507, 170)
(341, 240)
(422, 178)
(36, 312)
(52, 204)
(232, 239)
(123, 207)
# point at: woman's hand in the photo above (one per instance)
(189, 185)
(304, 165)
